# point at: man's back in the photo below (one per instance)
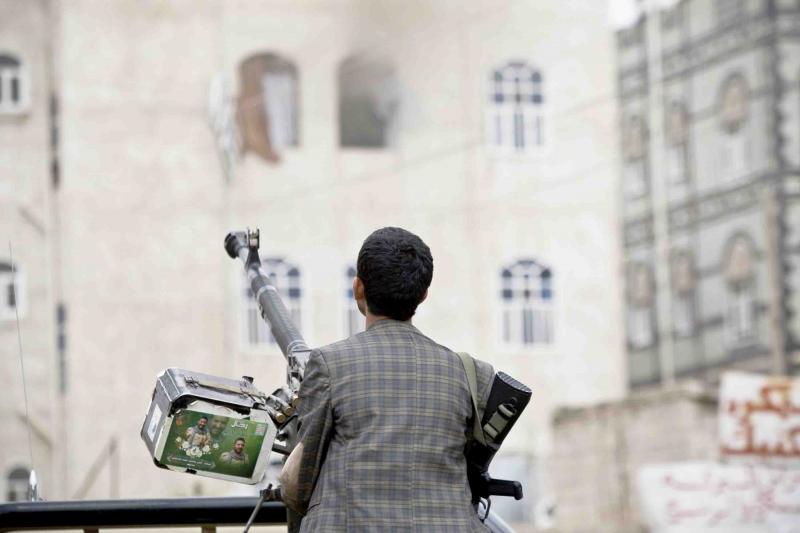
(384, 420)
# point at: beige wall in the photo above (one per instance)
(144, 207)
(26, 223)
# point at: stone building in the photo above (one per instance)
(709, 107)
(709, 110)
(180, 121)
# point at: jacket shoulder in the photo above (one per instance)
(484, 373)
(335, 348)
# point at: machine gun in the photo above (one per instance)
(195, 420)
(244, 245)
(181, 392)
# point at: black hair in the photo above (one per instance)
(203, 418)
(239, 439)
(396, 268)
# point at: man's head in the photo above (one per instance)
(202, 422)
(218, 424)
(395, 269)
(238, 446)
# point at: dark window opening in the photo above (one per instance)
(368, 103)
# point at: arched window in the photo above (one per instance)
(17, 484)
(12, 295)
(13, 86)
(354, 321)
(733, 112)
(286, 278)
(641, 314)
(515, 118)
(368, 102)
(527, 296)
(740, 309)
(634, 149)
(683, 294)
(268, 106)
(677, 135)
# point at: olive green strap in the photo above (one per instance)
(472, 382)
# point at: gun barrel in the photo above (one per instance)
(275, 313)
(273, 310)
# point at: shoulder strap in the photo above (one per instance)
(472, 382)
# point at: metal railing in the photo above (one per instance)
(91, 516)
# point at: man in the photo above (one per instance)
(197, 435)
(385, 414)
(237, 456)
(218, 425)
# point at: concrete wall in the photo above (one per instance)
(599, 450)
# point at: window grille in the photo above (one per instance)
(515, 121)
(286, 279)
(527, 296)
(354, 321)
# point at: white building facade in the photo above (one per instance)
(489, 131)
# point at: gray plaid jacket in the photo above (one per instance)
(384, 417)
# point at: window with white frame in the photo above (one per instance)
(286, 279)
(733, 111)
(354, 321)
(677, 135)
(12, 292)
(683, 298)
(17, 482)
(634, 147)
(740, 305)
(527, 297)
(641, 316)
(13, 86)
(515, 119)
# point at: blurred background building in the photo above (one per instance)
(587, 193)
(709, 110)
(136, 134)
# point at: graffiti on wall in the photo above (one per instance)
(759, 418)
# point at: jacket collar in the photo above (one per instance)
(386, 323)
